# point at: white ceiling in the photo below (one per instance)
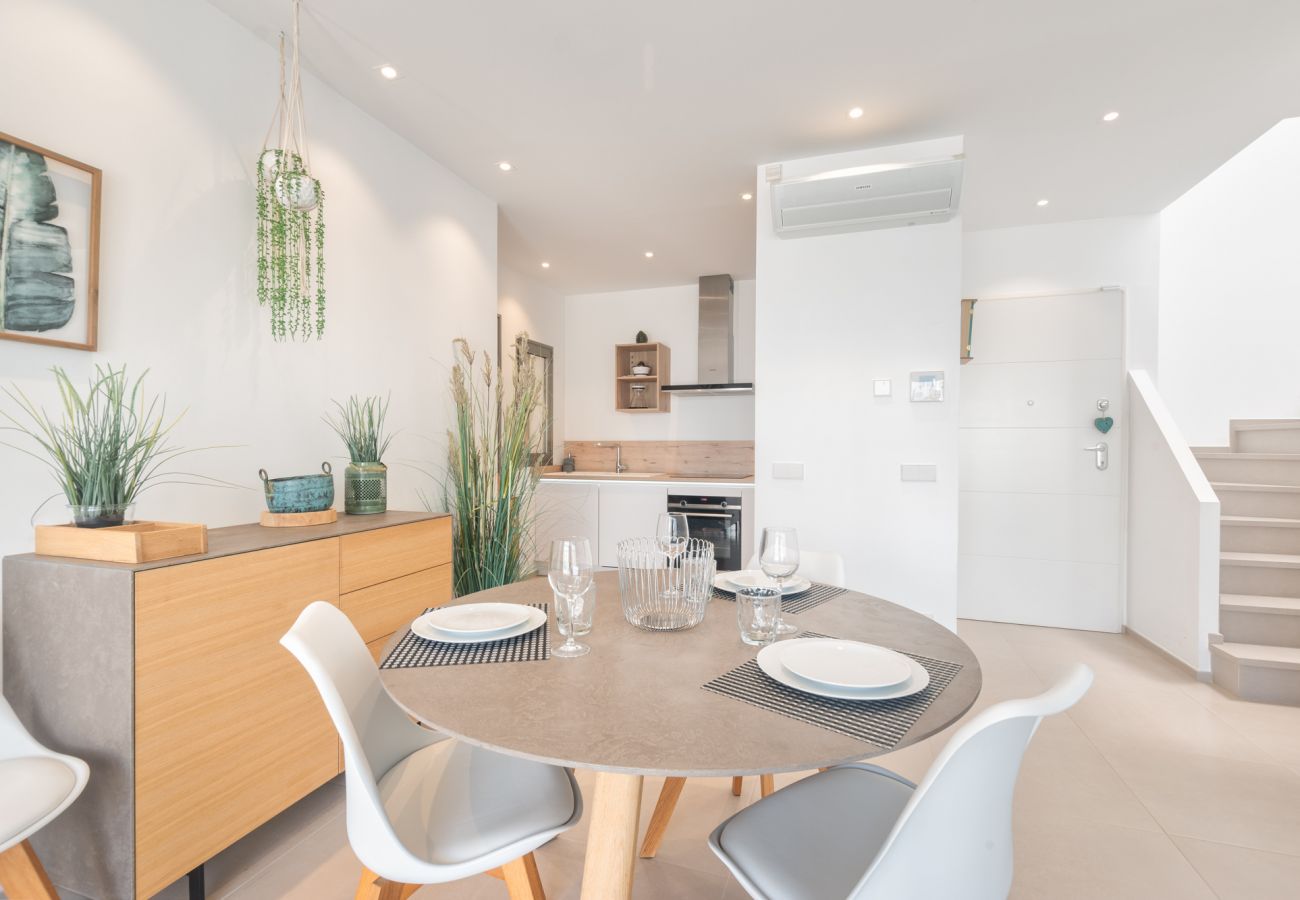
(636, 126)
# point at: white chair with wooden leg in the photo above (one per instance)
(36, 784)
(423, 809)
(818, 566)
(860, 832)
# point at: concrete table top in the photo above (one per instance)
(635, 704)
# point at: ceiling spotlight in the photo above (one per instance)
(388, 72)
(546, 265)
(505, 166)
(855, 112)
(747, 196)
(1110, 117)
(649, 254)
(1043, 202)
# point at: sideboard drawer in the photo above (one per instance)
(373, 557)
(383, 608)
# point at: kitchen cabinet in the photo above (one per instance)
(561, 510)
(628, 510)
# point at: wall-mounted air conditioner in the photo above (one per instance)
(857, 199)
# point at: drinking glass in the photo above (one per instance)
(570, 576)
(758, 611)
(779, 559)
(579, 617)
(672, 531)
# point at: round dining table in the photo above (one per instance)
(636, 706)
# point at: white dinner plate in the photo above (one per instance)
(477, 618)
(536, 619)
(769, 660)
(847, 664)
(733, 581)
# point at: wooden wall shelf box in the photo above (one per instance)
(137, 542)
(168, 678)
(658, 357)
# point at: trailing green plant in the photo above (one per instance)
(359, 423)
(491, 475)
(290, 246)
(108, 445)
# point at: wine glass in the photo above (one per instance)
(779, 559)
(570, 576)
(671, 532)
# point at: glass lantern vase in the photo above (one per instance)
(365, 488)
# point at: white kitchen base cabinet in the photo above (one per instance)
(563, 510)
(628, 510)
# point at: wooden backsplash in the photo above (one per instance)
(670, 457)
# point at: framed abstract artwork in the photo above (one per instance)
(49, 247)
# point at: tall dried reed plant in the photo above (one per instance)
(491, 476)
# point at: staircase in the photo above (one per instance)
(1257, 480)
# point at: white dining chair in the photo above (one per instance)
(861, 832)
(36, 785)
(421, 808)
(819, 566)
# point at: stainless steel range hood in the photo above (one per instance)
(716, 342)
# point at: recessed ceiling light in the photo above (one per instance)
(1110, 117)
(746, 196)
(855, 112)
(388, 72)
(1043, 202)
(649, 254)
(505, 166)
(546, 265)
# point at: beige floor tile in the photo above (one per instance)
(1069, 859)
(1248, 804)
(1238, 873)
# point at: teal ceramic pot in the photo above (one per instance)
(365, 488)
(299, 493)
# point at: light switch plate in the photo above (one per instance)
(882, 387)
(919, 473)
(792, 470)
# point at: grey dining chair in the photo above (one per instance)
(421, 808)
(861, 832)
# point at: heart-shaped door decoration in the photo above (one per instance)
(1104, 424)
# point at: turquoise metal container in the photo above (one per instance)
(299, 493)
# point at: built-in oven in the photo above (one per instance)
(716, 520)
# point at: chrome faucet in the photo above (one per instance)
(619, 468)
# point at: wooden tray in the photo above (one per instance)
(298, 520)
(134, 543)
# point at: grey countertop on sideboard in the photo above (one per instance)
(233, 539)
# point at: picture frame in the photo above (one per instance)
(927, 387)
(51, 218)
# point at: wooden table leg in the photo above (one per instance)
(611, 842)
(654, 832)
(737, 785)
(766, 785)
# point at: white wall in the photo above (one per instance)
(171, 99)
(594, 323)
(1173, 534)
(1230, 292)
(833, 313)
(1045, 260)
(526, 304)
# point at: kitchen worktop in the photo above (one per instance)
(650, 478)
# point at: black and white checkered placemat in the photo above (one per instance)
(414, 651)
(879, 722)
(796, 603)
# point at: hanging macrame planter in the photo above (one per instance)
(290, 216)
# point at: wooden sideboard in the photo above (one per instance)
(169, 680)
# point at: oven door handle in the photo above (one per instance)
(703, 515)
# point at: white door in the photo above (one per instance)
(1041, 526)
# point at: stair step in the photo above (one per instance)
(1260, 655)
(1260, 521)
(1260, 560)
(1251, 468)
(1222, 453)
(1245, 486)
(1253, 603)
(1269, 435)
(1268, 500)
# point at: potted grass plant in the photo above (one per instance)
(105, 447)
(359, 423)
(491, 472)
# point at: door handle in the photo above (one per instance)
(1102, 449)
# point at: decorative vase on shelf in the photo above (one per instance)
(641, 369)
(641, 338)
(101, 516)
(365, 488)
